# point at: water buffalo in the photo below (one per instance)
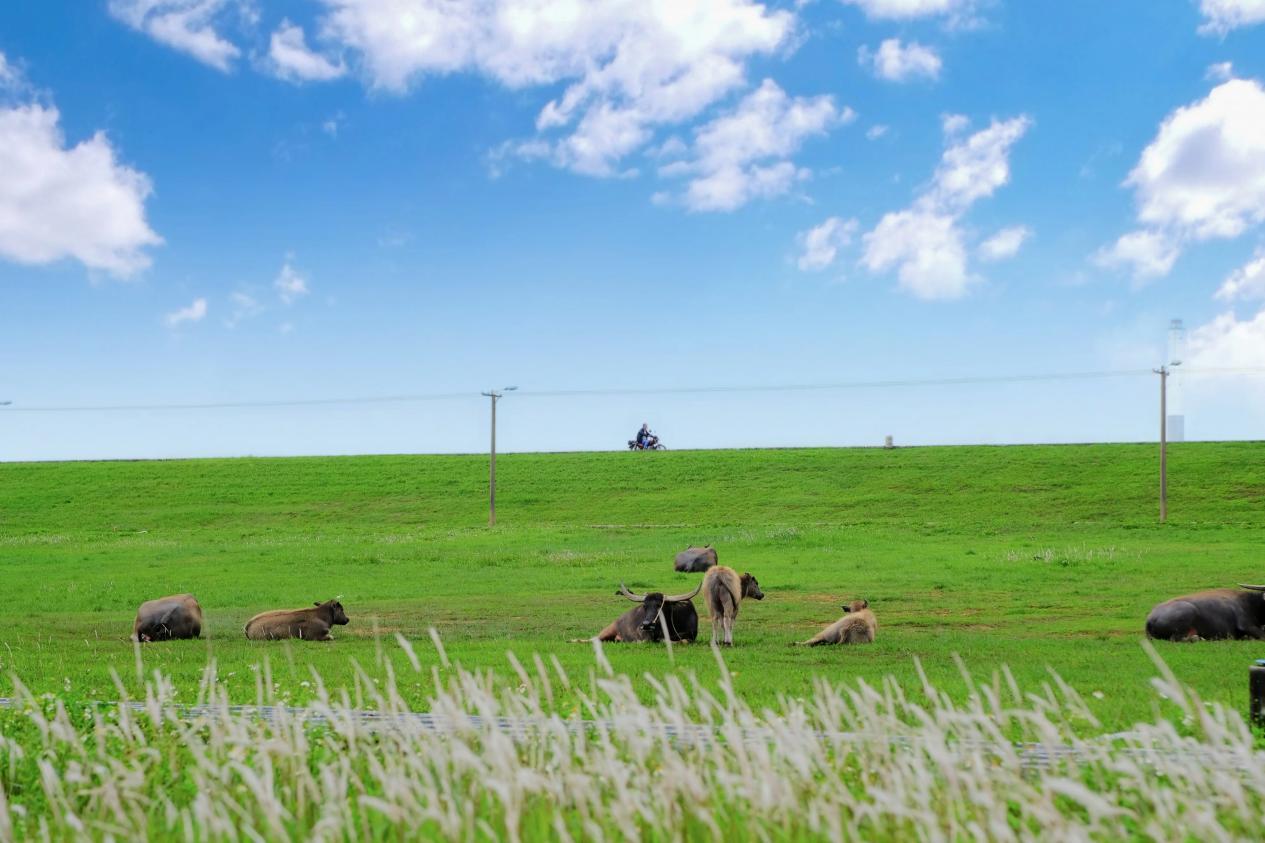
(1218, 613)
(646, 621)
(723, 590)
(310, 624)
(167, 618)
(857, 626)
(696, 560)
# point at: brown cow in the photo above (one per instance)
(168, 618)
(857, 626)
(723, 590)
(309, 624)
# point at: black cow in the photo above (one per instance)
(696, 560)
(1218, 613)
(646, 621)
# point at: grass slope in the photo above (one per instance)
(1033, 557)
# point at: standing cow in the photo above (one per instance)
(654, 612)
(311, 624)
(168, 618)
(724, 590)
(1218, 613)
(857, 626)
(696, 560)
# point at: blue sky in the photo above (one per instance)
(235, 201)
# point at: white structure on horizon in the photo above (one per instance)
(1176, 356)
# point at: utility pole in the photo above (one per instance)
(1163, 372)
(495, 396)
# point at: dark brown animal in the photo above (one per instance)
(723, 591)
(655, 612)
(696, 560)
(311, 624)
(857, 626)
(167, 618)
(1209, 615)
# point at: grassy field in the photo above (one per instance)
(1033, 557)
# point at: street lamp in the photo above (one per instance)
(494, 395)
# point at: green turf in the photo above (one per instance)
(1032, 557)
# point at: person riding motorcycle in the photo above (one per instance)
(643, 435)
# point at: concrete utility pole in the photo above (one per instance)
(494, 395)
(1163, 372)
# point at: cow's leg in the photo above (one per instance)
(1253, 631)
(608, 634)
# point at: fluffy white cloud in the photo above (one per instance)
(290, 284)
(185, 25)
(1228, 343)
(819, 246)
(1219, 72)
(898, 62)
(1005, 243)
(59, 201)
(1202, 177)
(744, 153)
(193, 313)
(1246, 282)
(630, 65)
(1147, 254)
(907, 9)
(876, 131)
(924, 243)
(292, 59)
(1221, 16)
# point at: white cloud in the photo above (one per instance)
(1219, 72)
(193, 313)
(908, 9)
(1221, 16)
(1227, 343)
(924, 244)
(876, 131)
(59, 201)
(820, 245)
(953, 124)
(1246, 282)
(245, 306)
(629, 65)
(898, 62)
(9, 76)
(1148, 254)
(185, 25)
(1202, 177)
(293, 60)
(1005, 243)
(744, 154)
(290, 284)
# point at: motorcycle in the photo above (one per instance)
(651, 444)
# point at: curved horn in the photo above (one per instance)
(1252, 587)
(681, 598)
(636, 598)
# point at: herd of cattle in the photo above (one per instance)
(1208, 615)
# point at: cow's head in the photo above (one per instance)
(856, 606)
(653, 604)
(751, 588)
(338, 616)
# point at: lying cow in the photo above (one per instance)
(167, 618)
(311, 624)
(646, 621)
(696, 560)
(1218, 613)
(857, 626)
(724, 590)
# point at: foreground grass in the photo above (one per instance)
(1036, 557)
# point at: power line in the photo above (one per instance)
(616, 391)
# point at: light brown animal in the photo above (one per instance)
(857, 626)
(309, 624)
(723, 591)
(168, 618)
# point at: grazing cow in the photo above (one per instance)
(857, 626)
(1219, 613)
(646, 621)
(723, 590)
(310, 624)
(168, 618)
(695, 560)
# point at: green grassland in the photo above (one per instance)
(1042, 557)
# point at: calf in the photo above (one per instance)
(311, 624)
(724, 590)
(857, 626)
